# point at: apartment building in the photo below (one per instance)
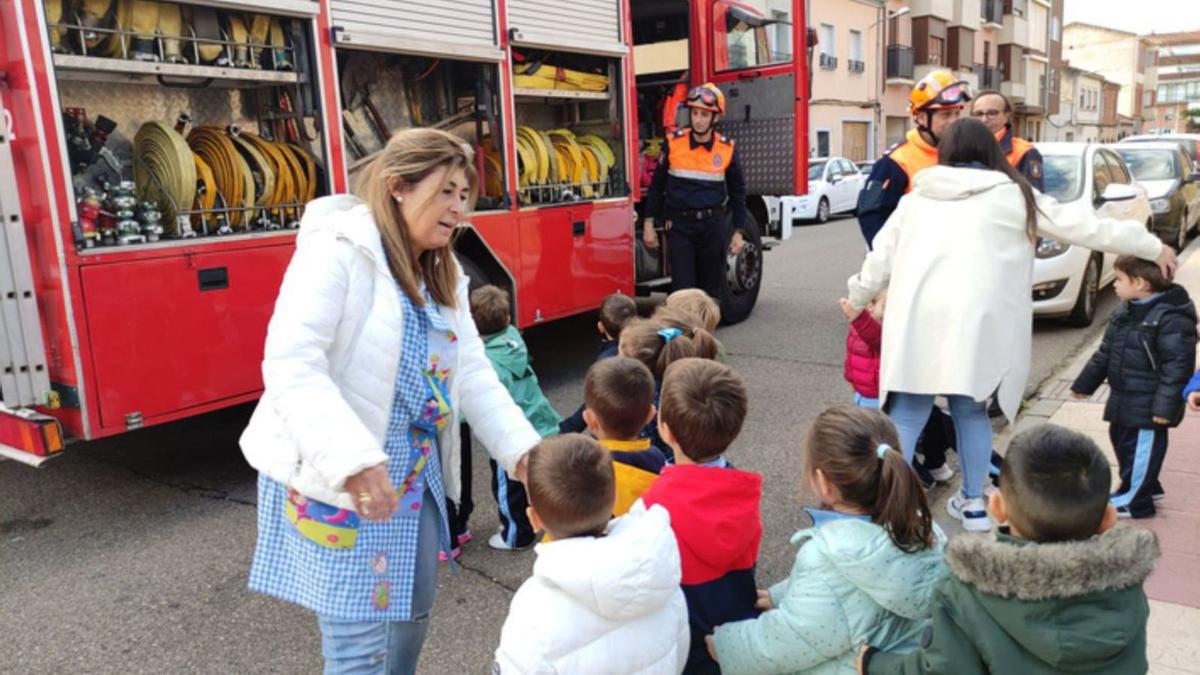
(1176, 66)
(1014, 46)
(1081, 114)
(1122, 58)
(844, 110)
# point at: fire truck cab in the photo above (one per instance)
(156, 158)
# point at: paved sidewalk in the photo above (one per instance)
(1174, 588)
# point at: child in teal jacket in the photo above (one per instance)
(492, 312)
(865, 570)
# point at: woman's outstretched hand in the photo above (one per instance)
(373, 493)
(1167, 262)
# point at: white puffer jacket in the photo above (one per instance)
(329, 367)
(601, 605)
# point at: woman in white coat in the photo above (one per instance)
(957, 259)
(371, 362)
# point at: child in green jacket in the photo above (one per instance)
(492, 312)
(1060, 591)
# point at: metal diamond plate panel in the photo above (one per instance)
(767, 153)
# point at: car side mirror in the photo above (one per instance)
(1194, 178)
(835, 178)
(1118, 192)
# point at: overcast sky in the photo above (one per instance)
(1140, 16)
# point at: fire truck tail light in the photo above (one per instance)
(29, 437)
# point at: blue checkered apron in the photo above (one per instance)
(326, 559)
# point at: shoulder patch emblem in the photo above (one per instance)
(1035, 169)
(717, 161)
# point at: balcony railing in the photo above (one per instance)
(856, 66)
(900, 62)
(828, 62)
(992, 11)
(989, 78)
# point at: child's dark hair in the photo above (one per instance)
(571, 485)
(658, 344)
(844, 443)
(620, 392)
(1055, 484)
(704, 403)
(1136, 268)
(491, 309)
(617, 310)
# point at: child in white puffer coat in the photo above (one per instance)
(604, 597)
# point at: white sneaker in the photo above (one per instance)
(972, 512)
(942, 474)
(497, 542)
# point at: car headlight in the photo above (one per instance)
(1048, 248)
(1161, 205)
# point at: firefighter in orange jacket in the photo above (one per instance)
(698, 172)
(993, 109)
(936, 101)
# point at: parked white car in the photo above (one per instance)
(833, 187)
(1067, 278)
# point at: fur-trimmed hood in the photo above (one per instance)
(1003, 566)
(1064, 607)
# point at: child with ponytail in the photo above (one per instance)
(660, 341)
(866, 568)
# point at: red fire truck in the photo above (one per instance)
(155, 159)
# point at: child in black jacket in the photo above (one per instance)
(1147, 356)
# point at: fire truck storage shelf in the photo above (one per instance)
(94, 68)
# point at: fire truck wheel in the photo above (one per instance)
(743, 275)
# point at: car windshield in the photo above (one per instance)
(1063, 176)
(1150, 164)
(815, 170)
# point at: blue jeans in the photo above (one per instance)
(388, 647)
(972, 431)
(861, 401)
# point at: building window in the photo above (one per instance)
(826, 40)
(856, 45)
(936, 50)
(1055, 29)
(823, 143)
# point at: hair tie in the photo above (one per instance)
(669, 334)
(882, 450)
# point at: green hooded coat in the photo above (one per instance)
(1013, 606)
(510, 358)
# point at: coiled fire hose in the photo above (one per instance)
(160, 150)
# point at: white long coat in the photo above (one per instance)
(330, 362)
(958, 268)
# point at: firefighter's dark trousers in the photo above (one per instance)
(697, 252)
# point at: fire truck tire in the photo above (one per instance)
(743, 275)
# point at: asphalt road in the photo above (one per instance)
(131, 555)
